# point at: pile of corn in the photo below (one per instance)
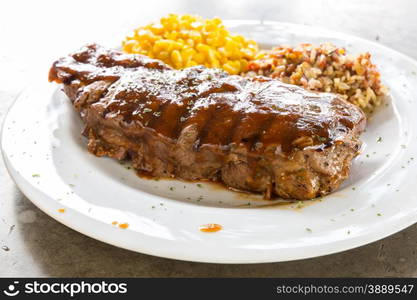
(187, 40)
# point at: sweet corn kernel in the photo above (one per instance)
(176, 58)
(188, 40)
(203, 48)
(228, 67)
(199, 58)
(191, 64)
(162, 55)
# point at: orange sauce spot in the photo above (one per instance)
(123, 225)
(61, 210)
(210, 227)
(114, 223)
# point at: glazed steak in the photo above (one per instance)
(254, 134)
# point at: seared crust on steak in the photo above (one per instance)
(254, 134)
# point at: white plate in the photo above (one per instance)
(46, 155)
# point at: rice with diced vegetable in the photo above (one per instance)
(325, 68)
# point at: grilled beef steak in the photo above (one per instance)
(253, 134)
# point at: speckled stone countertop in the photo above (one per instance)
(33, 244)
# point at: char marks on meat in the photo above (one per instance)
(254, 134)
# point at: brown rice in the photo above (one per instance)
(325, 68)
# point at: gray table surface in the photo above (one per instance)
(33, 33)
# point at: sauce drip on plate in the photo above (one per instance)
(211, 227)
